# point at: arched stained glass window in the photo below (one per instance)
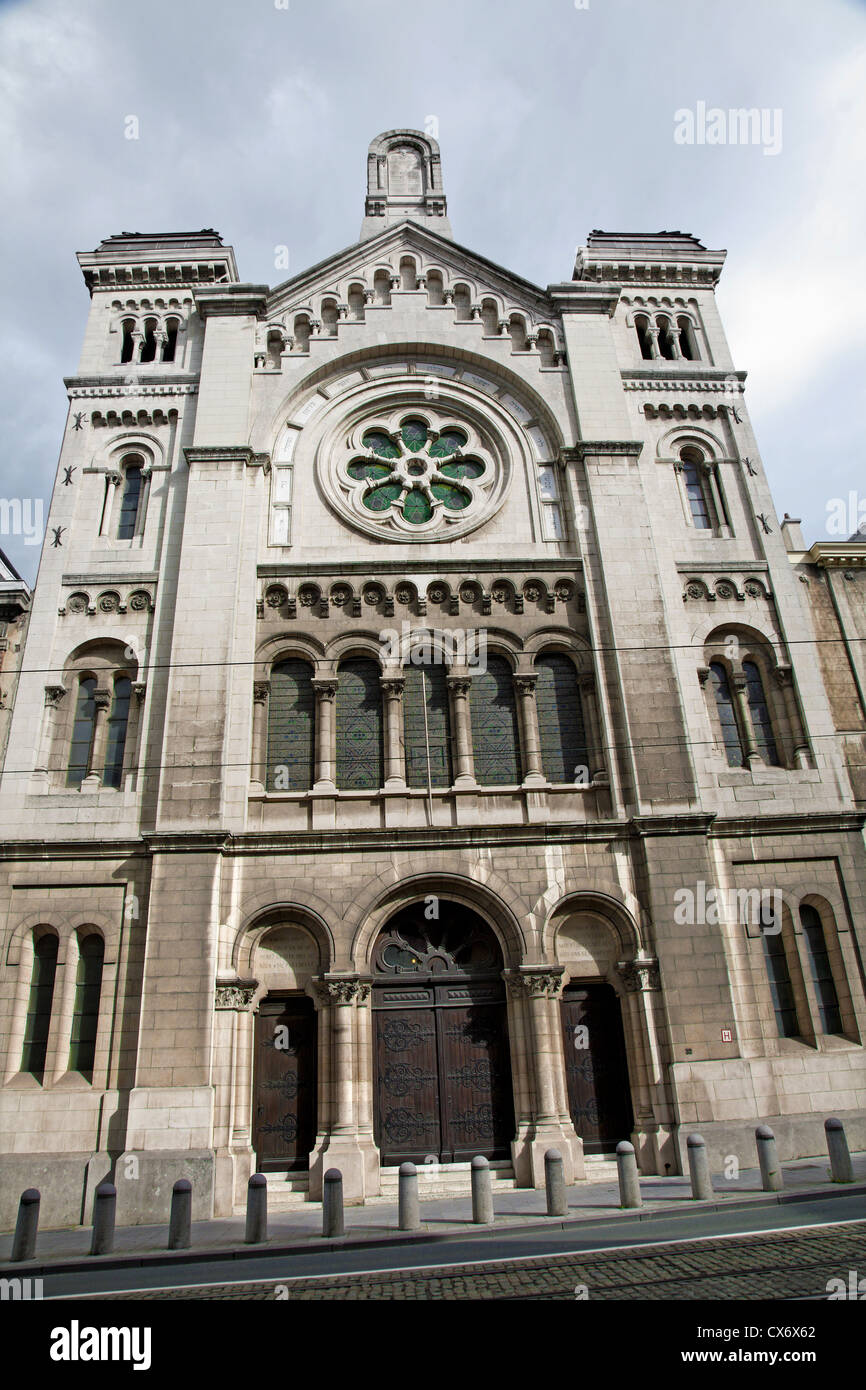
(359, 726)
(822, 973)
(560, 718)
(129, 503)
(727, 717)
(291, 718)
(427, 740)
(761, 723)
(82, 733)
(85, 1018)
(38, 1019)
(696, 495)
(781, 989)
(494, 725)
(118, 722)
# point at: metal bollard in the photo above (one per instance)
(409, 1210)
(768, 1160)
(24, 1240)
(104, 1210)
(332, 1204)
(257, 1210)
(841, 1167)
(699, 1168)
(482, 1193)
(554, 1183)
(629, 1184)
(181, 1215)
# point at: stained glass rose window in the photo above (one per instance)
(416, 472)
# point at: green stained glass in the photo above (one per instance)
(448, 441)
(379, 499)
(462, 468)
(378, 441)
(416, 508)
(414, 434)
(363, 468)
(453, 497)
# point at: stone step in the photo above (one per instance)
(446, 1180)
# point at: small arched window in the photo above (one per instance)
(727, 715)
(560, 719)
(427, 726)
(382, 287)
(435, 288)
(148, 346)
(330, 317)
(762, 726)
(85, 1017)
(686, 336)
(129, 502)
(462, 303)
(291, 720)
(822, 973)
(82, 732)
(169, 346)
(356, 301)
(128, 345)
(38, 1020)
(666, 339)
(494, 725)
(696, 493)
(360, 761)
(408, 277)
(641, 324)
(490, 318)
(118, 722)
(781, 989)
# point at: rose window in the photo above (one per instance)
(418, 475)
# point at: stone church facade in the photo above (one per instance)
(420, 748)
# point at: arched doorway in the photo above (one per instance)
(285, 1108)
(599, 1097)
(442, 1070)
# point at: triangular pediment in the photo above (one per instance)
(360, 262)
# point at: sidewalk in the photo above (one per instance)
(444, 1217)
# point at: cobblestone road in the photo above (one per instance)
(786, 1264)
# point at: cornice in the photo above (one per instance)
(227, 300)
(838, 554)
(559, 563)
(585, 447)
(131, 385)
(226, 453)
(577, 297)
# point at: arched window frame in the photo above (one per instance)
(42, 989)
(105, 665)
(116, 511)
(347, 779)
(700, 490)
(815, 917)
(504, 664)
(128, 338)
(87, 1003)
(577, 755)
(286, 744)
(753, 746)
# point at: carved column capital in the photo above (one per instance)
(525, 682)
(784, 676)
(639, 975)
(392, 686)
(348, 989)
(261, 691)
(237, 994)
(102, 698)
(53, 695)
(543, 982)
(325, 688)
(459, 685)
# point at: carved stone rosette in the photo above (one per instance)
(238, 995)
(639, 975)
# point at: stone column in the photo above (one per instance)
(347, 1148)
(259, 758)
(113, 481)
(234, 1027)
(640, 978)
(135, 730)
(593, 730)
(542, 986)
(53, 696)
(326, 750)
(751, 755)
(711, 484)
(93, 781)
(799, 742)
(524, 686)
(395, 771)
(464, 762)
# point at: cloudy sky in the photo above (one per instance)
(554, 117)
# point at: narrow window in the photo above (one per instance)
(39, 1006)
(727, 716)
(82, 733)
(688, 346)
(822, 973)
(761, 723)
(560, 719)
(118, 722)
(302, 332)
(551, 512)
(426, 726)
(781, 989)
(291, 718)
(148, 346)
(697, 497)
(281, 505)
(356, 302)
(382, 287)
(128, 347)
(494, 725)
(665, 339)
(641, 324)
(85, 1018)
(360, 762)
(129, 503)
(169, 347)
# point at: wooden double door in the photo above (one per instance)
(284, 1108)
(596, 1070)
(442, 1071)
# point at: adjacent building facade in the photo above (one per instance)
(430, 747)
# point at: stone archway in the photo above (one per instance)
(442, 1067)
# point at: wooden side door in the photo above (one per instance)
(284, 1119)
(477, 1107)
(406, 1076)
(596, 1070)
